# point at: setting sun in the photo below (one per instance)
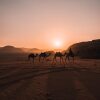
(57, 43)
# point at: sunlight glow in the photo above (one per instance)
(57, 43)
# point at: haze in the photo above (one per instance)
(41, 23)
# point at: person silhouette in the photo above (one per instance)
(70, 51)
(69, 54)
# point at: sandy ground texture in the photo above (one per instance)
(23, 80)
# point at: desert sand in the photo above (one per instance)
(23, 80)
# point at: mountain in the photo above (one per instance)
(12, 49)
(89, 49)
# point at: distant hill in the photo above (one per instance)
(89, 49)
(12, 49)
(30, 50)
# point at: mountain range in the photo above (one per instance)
(12, 49)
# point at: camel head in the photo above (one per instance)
(48, 54)
(36, 54)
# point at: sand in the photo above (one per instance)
(23, 80)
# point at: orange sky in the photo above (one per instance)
(40, 23)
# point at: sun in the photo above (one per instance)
(57, 43)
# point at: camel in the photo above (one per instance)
(69, 54)
(44, 55)
(60, 55)
(33, 56)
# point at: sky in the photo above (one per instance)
(48, 24)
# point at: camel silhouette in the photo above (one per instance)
(60, 55)
(69, 54)
(44, 55)
(33, 56)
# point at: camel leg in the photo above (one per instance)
(42, 58)
(45, 58)
(63, 61)
(73, 59)
(39, 59)
(54, 60)
(33, 60)
(66, 60)
(60, 60)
